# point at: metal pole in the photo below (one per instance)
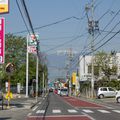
(92, 48)
(27, 69)
(37, 78)
(43, 83)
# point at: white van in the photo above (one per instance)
(64, 92)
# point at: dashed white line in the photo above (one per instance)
(103, 111)
(39, 103)
(56, 111)
(29, 114)
(72, 111)
(34, 108)
(40, 111)
(87, 111)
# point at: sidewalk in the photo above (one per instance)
(20, 102)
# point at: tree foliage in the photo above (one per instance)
(105, 64)
(15, 53)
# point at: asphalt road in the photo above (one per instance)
(55, 107)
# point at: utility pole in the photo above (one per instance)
(37, 64)
(43, 84)
(69, 53)
(92, 28)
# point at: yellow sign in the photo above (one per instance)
(9, 96)
(74, 78)
(4, 6)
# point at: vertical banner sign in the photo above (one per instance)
(2, 22)
(4, 6)
(32, 43)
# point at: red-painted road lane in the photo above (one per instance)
(80, 103)
(77, 117)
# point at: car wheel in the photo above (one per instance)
(101, 96)
(118, 99)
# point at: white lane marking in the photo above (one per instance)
(72, 111)
(88, 116)
(39, 103)
(56, 111)
(103, 111)
(117, 111)
(87, 111)
(29, 114)
(40, 111)
(34, 108)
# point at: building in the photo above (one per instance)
(85, 67)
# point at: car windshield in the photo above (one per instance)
(65, 90)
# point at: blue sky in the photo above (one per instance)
(44, 12)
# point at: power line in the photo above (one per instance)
(65, 42)
(22, 16)
(86, 48)
(51, 24)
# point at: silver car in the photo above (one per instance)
(106, 92)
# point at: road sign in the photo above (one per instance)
(32, 49)
(4, 6)
(32, 40)
(2, 34)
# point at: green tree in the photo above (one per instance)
(103, 62)
(15, 52)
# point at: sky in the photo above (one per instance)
(72, 33)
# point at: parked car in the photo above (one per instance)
(51, 90)
(58, 92)
(118, 96)
(64, 92)
(106, 92)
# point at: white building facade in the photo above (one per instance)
(85, 63)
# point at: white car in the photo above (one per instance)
(64, 92)
(106, 92)
(118, 96)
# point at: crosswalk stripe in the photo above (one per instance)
(87, 111)
(117, 111)
(103, 111)
(72, 111)
(56, 111)
(40, 111)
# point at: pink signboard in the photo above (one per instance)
(2, 40)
